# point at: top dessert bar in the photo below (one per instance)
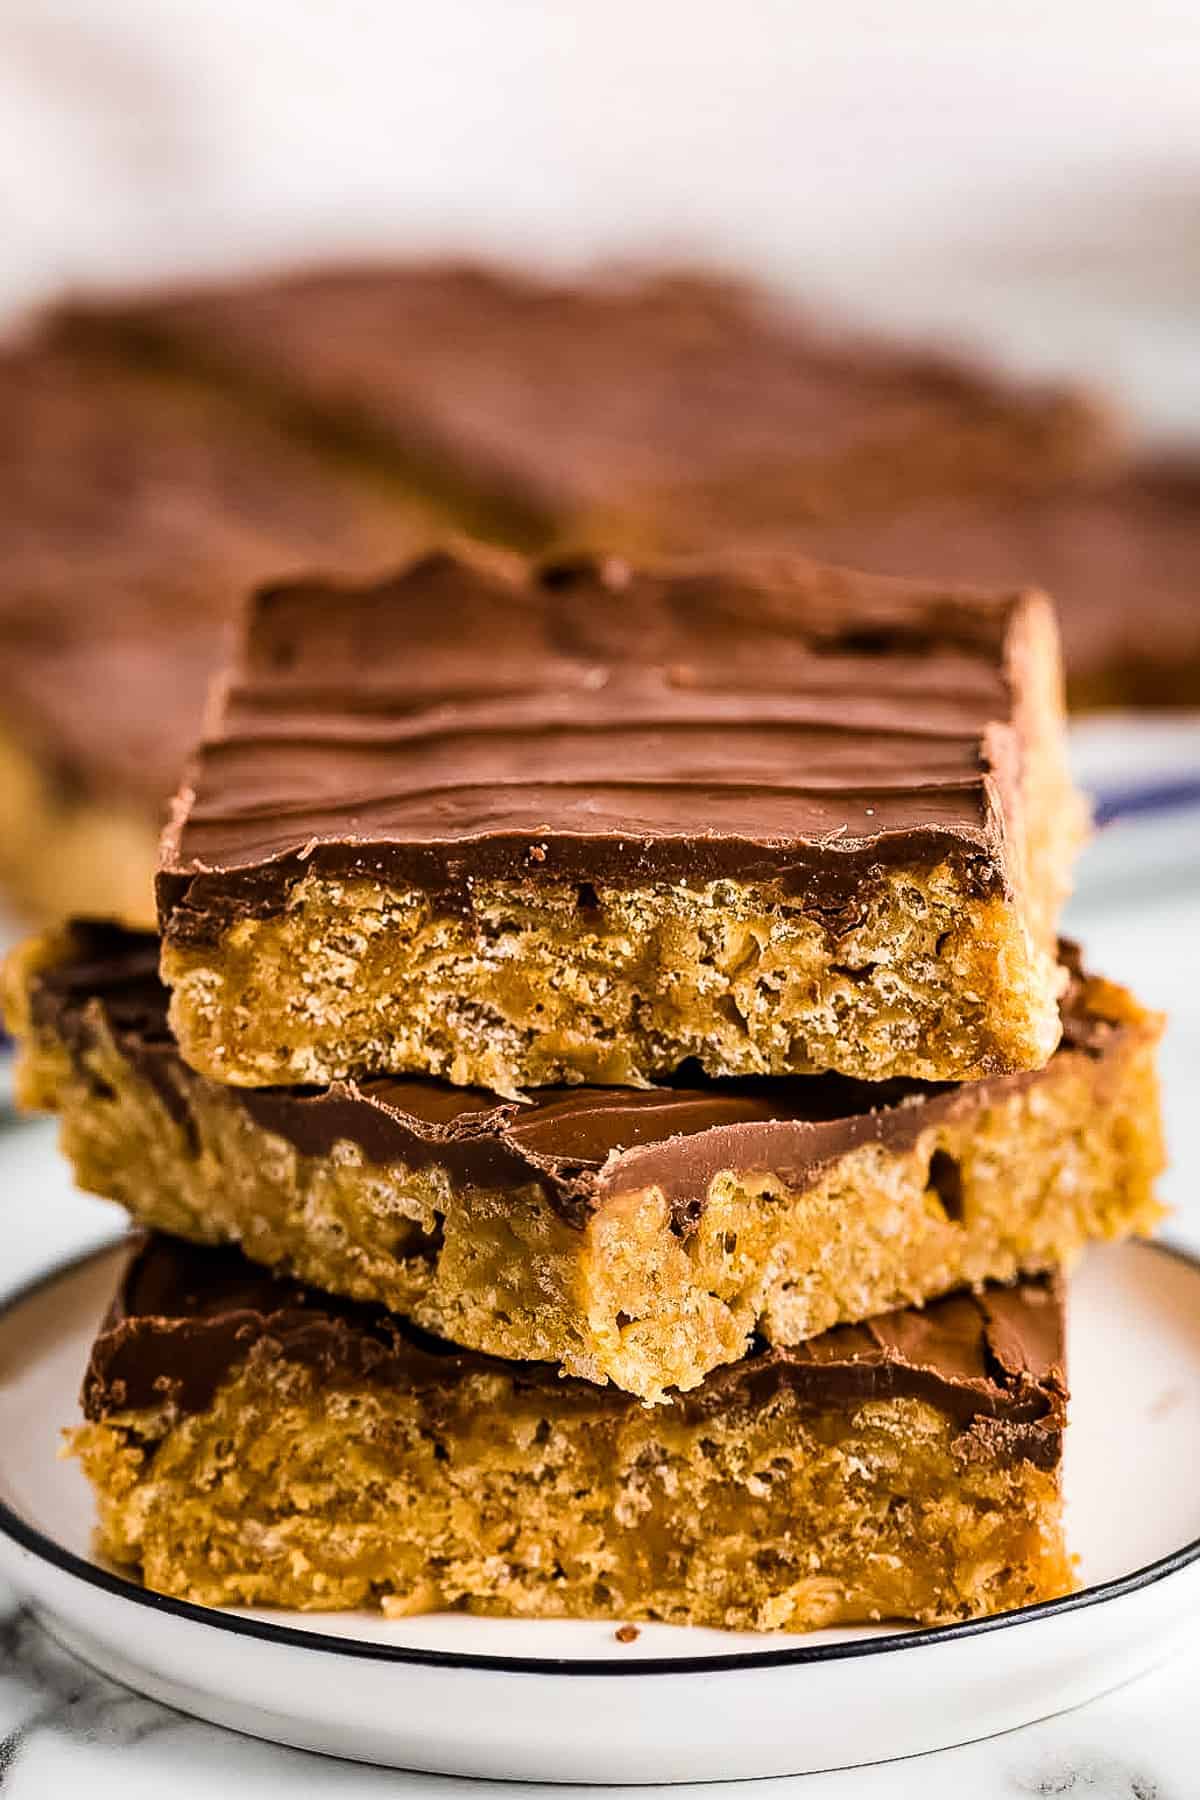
(587, 821)
(134, 513)
(1121, 557)
(652, 411)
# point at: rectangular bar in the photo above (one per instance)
(661, 409)
(583, 822)
(251, 1442)
(639, 1236)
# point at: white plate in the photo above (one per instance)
(566, 1701)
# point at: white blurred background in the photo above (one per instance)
(1022, 174)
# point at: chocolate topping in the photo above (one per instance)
(579, 1146)
(185, 1317)
(680, 406)
(1121, 559)
(761, 718)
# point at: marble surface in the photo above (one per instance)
(63, 1728)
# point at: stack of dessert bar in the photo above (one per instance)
(609, 1104)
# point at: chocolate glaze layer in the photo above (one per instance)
(185, 1317)
(134, 514)
(1121, 558)
(680, 406)
(580, 1147)
(758, 718)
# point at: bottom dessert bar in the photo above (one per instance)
(633, 1235)
(254, 1442)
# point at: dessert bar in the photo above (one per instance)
(641, 1236)
(516, 826)
(255, 1443)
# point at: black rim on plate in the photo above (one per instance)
(38, 1544)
